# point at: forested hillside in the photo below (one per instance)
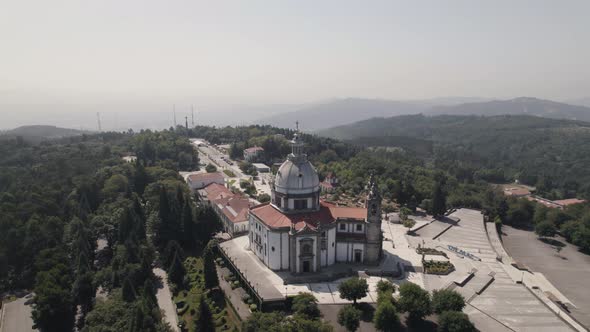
(552, 154)
(58, 198)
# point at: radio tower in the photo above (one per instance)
(186, 122)
(174, 112)
(192, 116)
(98, 120)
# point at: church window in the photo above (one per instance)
(342, 227)
(272, 248)
(332, 244)
(306, 249)
(359, 228)
(300, 204)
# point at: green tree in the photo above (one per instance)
(385, 285)
(349, 317)
(409, 223)
(353, 289)
(209, 269)
(53, 305)
(455, 321)
(204, 321)
(176, 272)
(306, 304)
(447, 300)
(263, 198)
(385, 317)
(210, 168)
(415, 301)
(545, 229)
(439, 200)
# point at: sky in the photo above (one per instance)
(61, 57)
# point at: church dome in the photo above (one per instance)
(297, 176)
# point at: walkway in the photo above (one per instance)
(239, 305)
(164, 297)
(16, 317)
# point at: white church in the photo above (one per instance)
(299, 232)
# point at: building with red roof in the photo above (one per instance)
(232, 209)
(253, 153)
(201, 180)
(297, 231)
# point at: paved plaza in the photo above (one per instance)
(270, 285)
(496, 302)
(569, 270)
(496, 298)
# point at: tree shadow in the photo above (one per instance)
(552, 242)
(421, 326)
(367, 311)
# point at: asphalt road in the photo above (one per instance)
(569, 271)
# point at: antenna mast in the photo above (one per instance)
(186, 122)
(192, 116)
(174, 112)
(98, 120)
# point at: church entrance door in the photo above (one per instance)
(358, 256)
(306, 266)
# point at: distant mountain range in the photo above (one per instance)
(518, 106)
(345, 111)
(37, 133)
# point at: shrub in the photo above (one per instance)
(245, 297)
(436, 267)
(253, 307)
(454, 321)
(414, 300)
(385, 285)
(447, 300)
(349, 317)
(306, 304)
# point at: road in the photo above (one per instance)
(16, 317)
(164, 297)
(569, 270)
(208, 154)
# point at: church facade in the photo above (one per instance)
(299, 232)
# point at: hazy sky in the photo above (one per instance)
(262, 52)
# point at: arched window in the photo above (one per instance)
(306, 249)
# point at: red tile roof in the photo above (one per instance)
(216, 191)
(570, 201)
(234, 206)
(327, 214)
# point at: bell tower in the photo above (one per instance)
(374, 234)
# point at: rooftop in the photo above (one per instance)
(254, 149)
(327, 214)
(205, 177)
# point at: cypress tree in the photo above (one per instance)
(439, 204)
(209, 271)
(204, 322)
(176, 271)
(128, 291)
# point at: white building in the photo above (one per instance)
(261, 168)
(201, 180)
(299, 232)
